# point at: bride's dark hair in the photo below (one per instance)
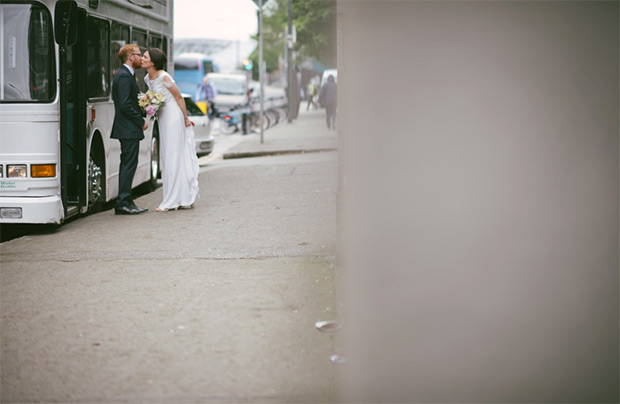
(158, 57)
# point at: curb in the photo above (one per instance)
(241, 155)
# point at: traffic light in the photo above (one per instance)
(247, 64)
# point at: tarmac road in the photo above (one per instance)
(214, 304)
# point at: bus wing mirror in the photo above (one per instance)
(65, 23)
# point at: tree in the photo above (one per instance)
(315, 23)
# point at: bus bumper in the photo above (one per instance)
(34, 210)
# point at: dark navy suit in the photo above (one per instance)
(127, 128)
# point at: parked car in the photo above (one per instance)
(202, 127)
(232, 91)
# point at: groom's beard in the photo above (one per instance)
(136, 64)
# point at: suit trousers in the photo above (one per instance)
(127, 169)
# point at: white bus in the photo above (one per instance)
(57, 63)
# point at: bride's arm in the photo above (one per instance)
(174, 90)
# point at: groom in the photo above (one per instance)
(129, 126)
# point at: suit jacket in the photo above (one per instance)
(128, 120)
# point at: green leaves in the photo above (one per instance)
(315, 23)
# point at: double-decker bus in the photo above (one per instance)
(57, 63)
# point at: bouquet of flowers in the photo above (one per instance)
(150, 102)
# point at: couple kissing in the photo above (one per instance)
(178, 157)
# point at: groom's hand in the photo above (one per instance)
(146, 125)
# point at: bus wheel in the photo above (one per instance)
(95, 186)
(154, 161)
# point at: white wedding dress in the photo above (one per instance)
(179, 163)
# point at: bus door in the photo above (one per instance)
(74, 164)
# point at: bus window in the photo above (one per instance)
(120, 36)
(97, 58)
(208, 66)
(186, 64)
(28, 65)
(155, 41)
(139, 37)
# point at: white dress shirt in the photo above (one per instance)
(133, 73)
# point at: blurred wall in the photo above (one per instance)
(479, 201)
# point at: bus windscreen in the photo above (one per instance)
(185, 64)
(28, 71)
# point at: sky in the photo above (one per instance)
(215, 19)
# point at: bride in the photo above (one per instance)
(178, 156)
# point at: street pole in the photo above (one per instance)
(260, 67)
(289, 63)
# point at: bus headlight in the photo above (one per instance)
(10, 213)
(16, 171)
(43, 170)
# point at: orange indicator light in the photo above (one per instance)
(43, 170)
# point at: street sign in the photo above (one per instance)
(258, 1)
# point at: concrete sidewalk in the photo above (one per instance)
(308, 133)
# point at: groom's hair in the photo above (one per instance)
(123, 54)
(158, 57)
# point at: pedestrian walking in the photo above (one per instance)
(311, 96)
(128, 126)
(328, 100)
